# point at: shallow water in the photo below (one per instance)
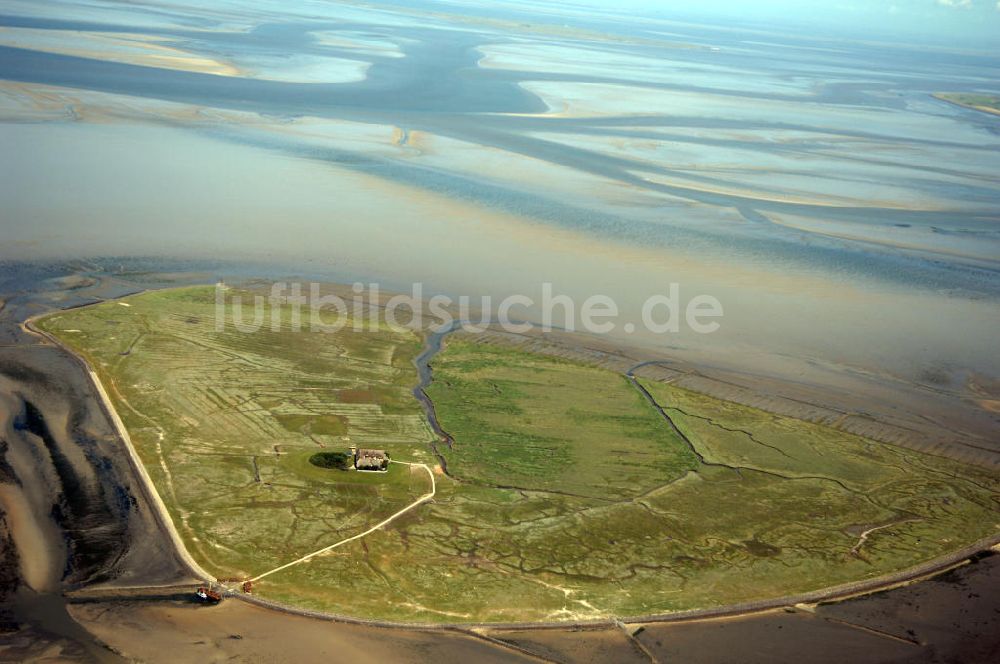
(846, 220)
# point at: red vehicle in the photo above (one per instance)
(206, 594)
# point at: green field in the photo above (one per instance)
(979, 102)
(568, 496)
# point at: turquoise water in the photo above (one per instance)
(843, 216)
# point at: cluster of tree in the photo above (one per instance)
(337, 460)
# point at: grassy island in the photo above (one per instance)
(570, 492)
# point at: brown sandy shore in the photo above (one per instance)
(159, 509)
(139, 606)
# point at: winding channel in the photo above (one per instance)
(432, 346)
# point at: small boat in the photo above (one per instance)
(208, 595)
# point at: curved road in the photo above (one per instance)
(381, 524)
